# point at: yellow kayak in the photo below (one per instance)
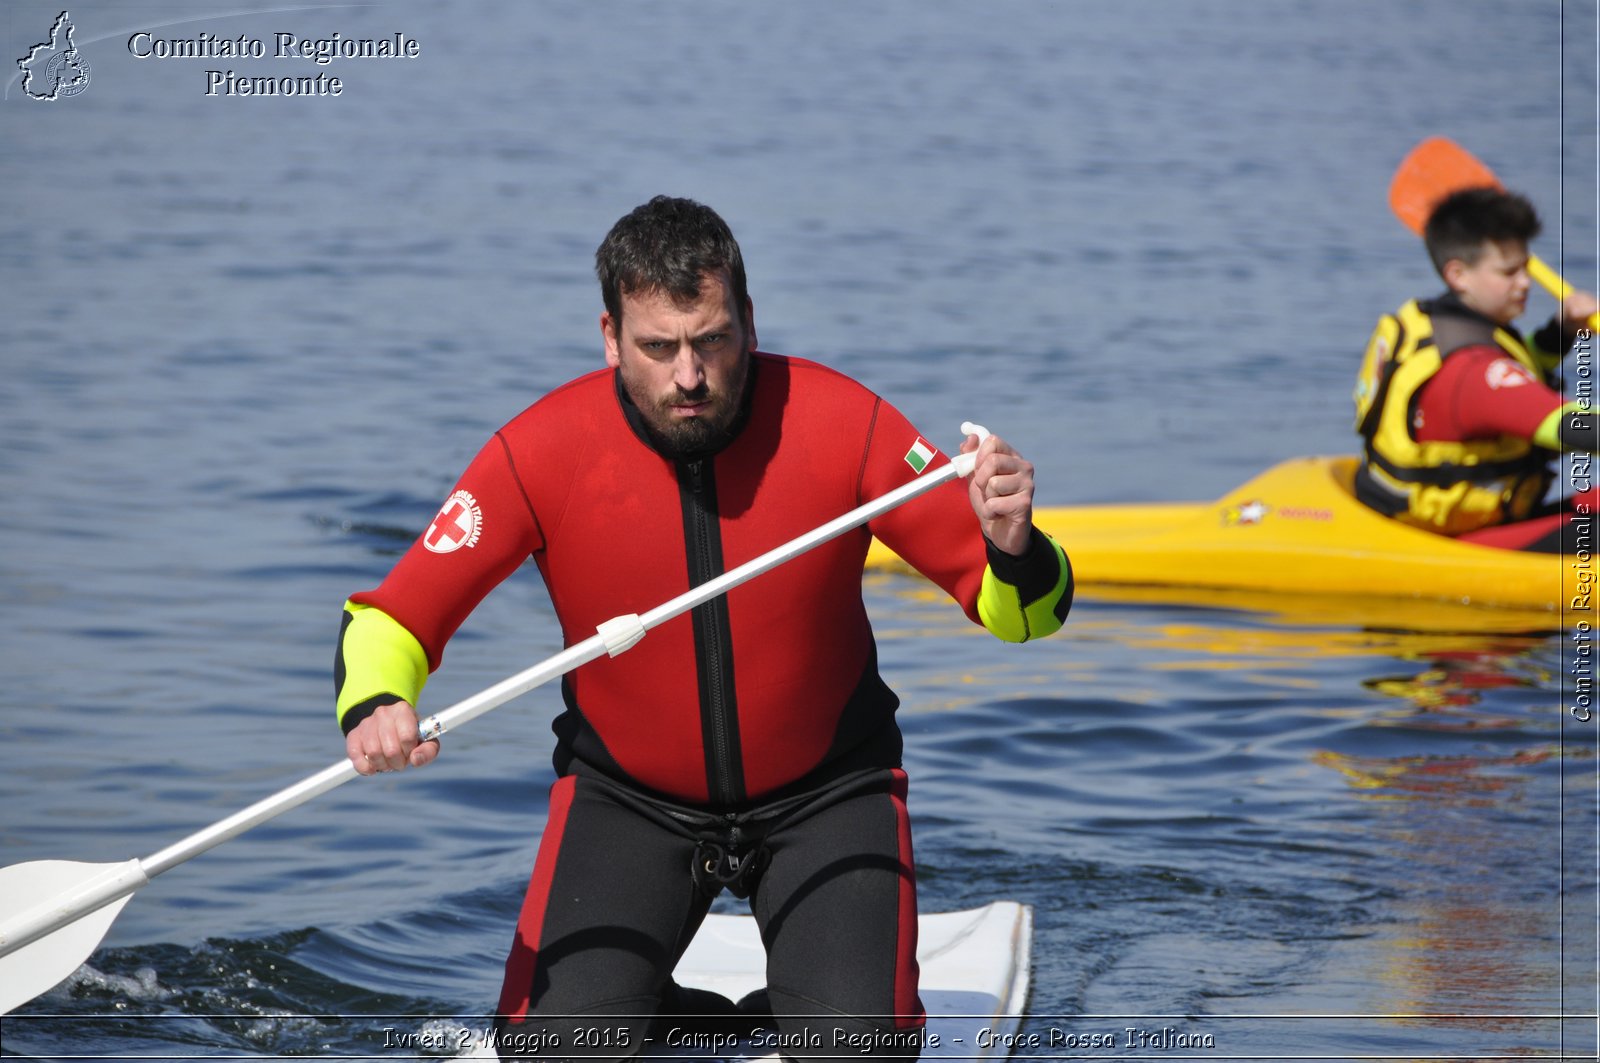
(1298, 529)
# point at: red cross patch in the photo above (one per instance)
(1504, 373)
(459, 523)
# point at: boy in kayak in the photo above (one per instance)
(750, 745)
(1460, 414)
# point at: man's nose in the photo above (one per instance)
(688, 371)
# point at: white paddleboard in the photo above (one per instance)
(975, 968)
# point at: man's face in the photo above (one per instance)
(1496, 286)
(683, 365)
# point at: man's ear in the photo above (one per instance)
(609, 334)
(750, 341)
(1453, 272)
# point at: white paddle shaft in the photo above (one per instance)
(614, 637)
(620, 633)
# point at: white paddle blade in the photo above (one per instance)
(67, 906)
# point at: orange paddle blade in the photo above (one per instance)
(1434, 169)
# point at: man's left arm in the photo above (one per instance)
(1018, 585)
(1027, 580)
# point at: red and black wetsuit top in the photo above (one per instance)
(769, 689)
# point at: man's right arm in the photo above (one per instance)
(392, 637)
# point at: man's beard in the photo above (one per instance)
(681, 437)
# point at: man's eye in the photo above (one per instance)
(715, 339)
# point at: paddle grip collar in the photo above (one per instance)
(965, 463)
(621, 633)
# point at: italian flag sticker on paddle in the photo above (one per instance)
(920, 454)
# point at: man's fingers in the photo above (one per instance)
(387, 741)
(396, 748)
(355, 749)
(1006, 476)
(391, 755)
(1008, 504)
(1008, 483)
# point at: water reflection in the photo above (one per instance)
(1455, 775)
(1396, 767)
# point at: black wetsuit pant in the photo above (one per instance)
(621, 884)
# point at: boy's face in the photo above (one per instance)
(1496, 285)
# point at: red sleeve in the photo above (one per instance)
(937, 533)
(482, 533)
(1482, 393)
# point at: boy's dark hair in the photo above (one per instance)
(1465, 221)
(667, 245)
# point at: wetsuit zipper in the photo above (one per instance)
(713, 642)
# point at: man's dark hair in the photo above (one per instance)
(666, 246)
(1465, 221)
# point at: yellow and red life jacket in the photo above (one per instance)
(1450, 487)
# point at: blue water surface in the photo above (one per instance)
(251, 341)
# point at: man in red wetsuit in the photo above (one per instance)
(750, 745)
(1460, 414)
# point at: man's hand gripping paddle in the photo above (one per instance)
(1433, 170)
(58, 910)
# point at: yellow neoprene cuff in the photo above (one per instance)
(1008, 617)
(379, 657)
